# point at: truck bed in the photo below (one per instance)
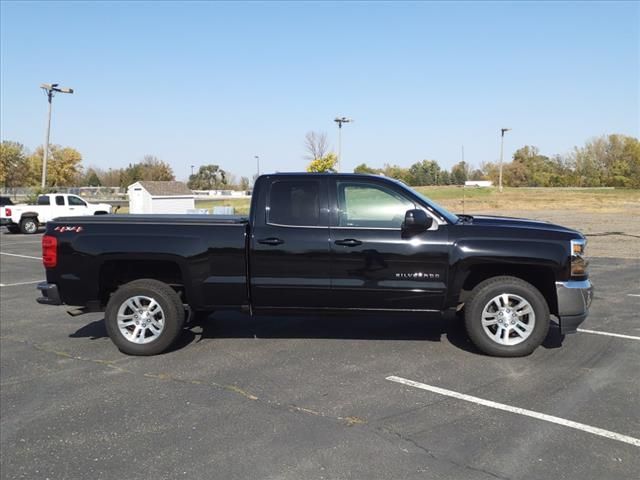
(204, 254)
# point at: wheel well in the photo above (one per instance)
(540, 277)
(101, 212)
(118, 272)
(29, 215)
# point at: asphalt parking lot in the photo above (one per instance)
(311, 398)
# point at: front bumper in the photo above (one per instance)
(574, 300)
(50, 294)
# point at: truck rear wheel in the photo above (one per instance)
(29, 225)
(506, 317)
(144, 317)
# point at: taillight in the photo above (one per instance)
(7, 212)
(49, 251)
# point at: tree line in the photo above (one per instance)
(606, 161)
(21, 168)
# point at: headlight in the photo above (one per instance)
(579, 262)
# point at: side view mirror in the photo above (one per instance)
(416, 221)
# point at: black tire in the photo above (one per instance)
(171, 306)
(13, 229)
(29, 225)
(482, 295)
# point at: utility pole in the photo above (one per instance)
(49, 90)
(340, 121)
(502, 131)
(192, 167)
(257, 157)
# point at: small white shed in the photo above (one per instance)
(160, 197)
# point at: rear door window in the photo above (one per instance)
(59, 200)
(294, 203)
(43, 200)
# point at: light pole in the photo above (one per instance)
(257, 157)
(502, 131)
(340, 121)
(49, 89)
(192, 167)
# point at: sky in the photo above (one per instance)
(197, 83)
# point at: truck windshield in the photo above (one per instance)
(451, 217)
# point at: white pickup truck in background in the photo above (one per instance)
(28, 218)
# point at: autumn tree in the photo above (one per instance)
(14, 166)
(151, 168)
(327, 163)
(64, 165)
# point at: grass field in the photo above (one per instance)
(478, 200)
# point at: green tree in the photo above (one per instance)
(426, 172)
(208, 177)
(459, 173)
(364, 168)
(323, 164)
(92, 179)
(611, 160)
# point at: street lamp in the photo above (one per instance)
(192, 167)
(49, 89)
(340, 121)
(257, 157)
(502, 132)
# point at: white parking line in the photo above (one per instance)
(21, 256)
(633, 294)
(521, 411)
(19, 283)
(609, 334)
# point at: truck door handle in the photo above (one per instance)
(348, 242)
(271, 241)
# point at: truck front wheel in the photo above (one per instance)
(29, 225)
(506, 317)
(144, 317)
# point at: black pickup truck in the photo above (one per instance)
(338, 243)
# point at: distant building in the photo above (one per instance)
(478, 183)
(160, 197)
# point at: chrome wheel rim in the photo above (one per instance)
(141, 319)
(30, 226)
(508, 319)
